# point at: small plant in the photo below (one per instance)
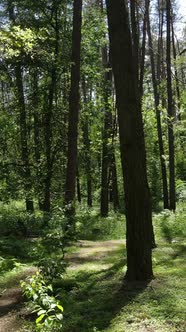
(51, 255)
(42, 302)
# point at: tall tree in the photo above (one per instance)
(26, 172)
(74, 100)
(132, 145)
(155, 82)
(170, 112)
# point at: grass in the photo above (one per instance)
(93, 292)
(96, 298)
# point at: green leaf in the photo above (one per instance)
(40, 312)
(39, 319)
(59, 316)
(60, 307)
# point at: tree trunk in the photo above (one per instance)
(176, 71)
(24, 139)
(78, 186)
(37, 143)
(170, 113)
(74, 100)
(132, 145)
(86, 142)
(135, 37)
(107, 130)
(23, 123)
(142, 55)
(115, 195)
(158, 116)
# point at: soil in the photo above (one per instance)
(12, 311)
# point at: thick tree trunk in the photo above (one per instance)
(74, 100)
(142, 54)
(135, 37)
(137, 195)
(170, 113)
(158, 116)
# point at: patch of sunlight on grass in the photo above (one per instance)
(12, 278)
(95, 298)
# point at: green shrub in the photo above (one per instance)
(43, 303)
(91, 226)
(181, 190)
(173, 224)
(14, 221)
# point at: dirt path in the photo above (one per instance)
(11, 301)
(11, 305)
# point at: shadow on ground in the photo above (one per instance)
(93, 296)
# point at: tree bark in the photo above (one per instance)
(24, 139)
(132, 145)
(170, 112)
(37, 142)
(86, 142)
(74, 100)
(158, 116)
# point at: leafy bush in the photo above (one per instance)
(51, 255)
(91, 226)
(43, 302)
(13, 221)
(181, 190)
(173, 224)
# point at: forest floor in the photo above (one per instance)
(96, 298)
(12, 309)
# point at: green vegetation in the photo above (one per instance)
(92, 290)
(92, 166)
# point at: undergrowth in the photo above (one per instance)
(92, 290)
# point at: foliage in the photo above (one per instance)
(42, 302)
(7, 264)
(172, 224)
(15, 221)
(96, 298)
(91, 226)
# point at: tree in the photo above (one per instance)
(155, 82)
(74, 100)
(170, 112)
(137, 195)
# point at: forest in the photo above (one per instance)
(92, 166)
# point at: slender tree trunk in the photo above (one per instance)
(158, 116)
(23, 124)
(78, 186)
(74, 100)
(24, 139)
(176, 71)
(107, 130)
(48, 120)
(37, 142)
(170, 112)
(48, 143)
(86, 142)
(132, 145)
